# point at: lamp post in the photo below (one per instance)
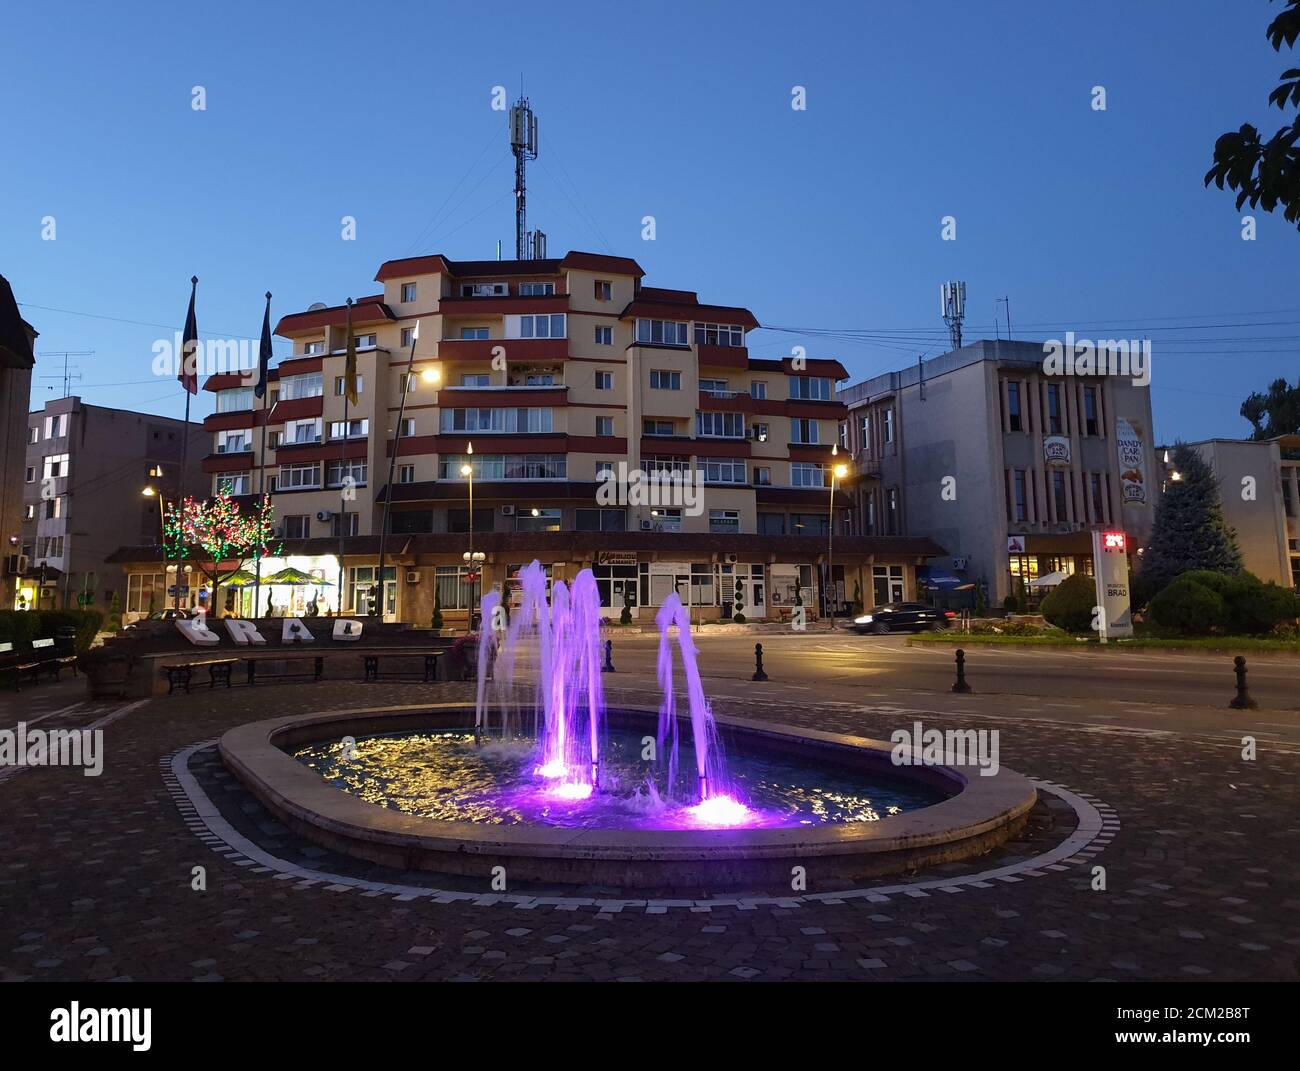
(838, 472)
(154, 492)
(467, 470)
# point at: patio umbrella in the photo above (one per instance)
(240, 578)
(1049, 580)
(291, 577)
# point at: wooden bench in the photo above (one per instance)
(44, 655)
(370, 665)
(218, 672)
(9, 664)
(314, 673)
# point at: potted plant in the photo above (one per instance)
(107, 670)
(464, 655)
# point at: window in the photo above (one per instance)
(33, 435)
(233, 442)
(604, 336)
(365, 342)
(539, 379)
(604, 380)
(864, 434)
(758, 389)
(354, 429)
(537, 520)
(665, 464)
(720, 425)
(604, 425)
(505, 467)
(305, 386)
(49, 547)
(889, 425)
(717, 387)
(56, 466)
(762, 475)
(662, 379)
(536, 289)
(1091, 426)
(406, 474)
(408, 336)
(803, 430)
(309, 348)
(661, 333)
(337, 471)
(484, 290)
(666, 520)
(724, 521)
(809, 524)
(771, 524)
(724, 469)
(600, 520)
(235, 400)
(475, 380)
(408, 292)
(1019, 496)
(1099, 498)
(657, 427)
(844, 436)
(1014, 421)
(542, 326)
(1060, 495)
(604, 290)
(297, 526)
(29, 512)
(298, 477)
(1054, 422)
(511, 421)
(30, 475)
(408, 382)
(232, 483)
(719, 335)
(411, 521)
(454, 592)
(347, 524)
(891, 504)
(808, 474)
(760, 432)
(473, 332)
(140, 591)
(56, 427)
(302, 431)
(810, 388)
(273, 438)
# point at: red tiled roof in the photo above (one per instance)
(366, 310)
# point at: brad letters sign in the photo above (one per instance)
(245, 634)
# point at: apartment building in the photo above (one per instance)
(17, 337)
(86, 472)
(546, 390)
(1259, 490)
(1007, 467)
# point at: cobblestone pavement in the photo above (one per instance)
(1202, 879)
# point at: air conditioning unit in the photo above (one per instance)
(412, 576)
(731, 559)
(507, 511)
(16, 564)
(647, 526)
(324, 515)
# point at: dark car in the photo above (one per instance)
(170, 614)
(903, 617)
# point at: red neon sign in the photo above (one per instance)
(1114, 541)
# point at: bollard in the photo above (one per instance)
(759, 675)
(960, 685)
(608, 667)
(1242, 700)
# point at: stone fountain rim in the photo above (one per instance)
(291, 789)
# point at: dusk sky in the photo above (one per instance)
(825, 219)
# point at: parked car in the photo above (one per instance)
(903, 617)
(170, 614)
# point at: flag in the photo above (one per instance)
(189, 373)
(264, 350)
(350, 364)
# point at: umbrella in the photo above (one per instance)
(240, 578)
(294, 578)
(1050, 580)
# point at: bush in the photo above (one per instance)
(1189, 607)
(1070, 605)
(20, 627)
(1253, 607)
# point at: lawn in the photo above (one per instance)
(1137, 643)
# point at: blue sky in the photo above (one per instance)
(824, 218)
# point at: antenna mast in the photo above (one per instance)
(952, 306)
(523, 143)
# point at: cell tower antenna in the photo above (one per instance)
(523, 143)
(952, 306)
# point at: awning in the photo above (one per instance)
(931, 576)
(1049, 580)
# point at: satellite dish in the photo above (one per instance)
(317, 306)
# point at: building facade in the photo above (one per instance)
(17, 337)
(95, 479)
(557, 410)
(1007, 467)
(1259, 490)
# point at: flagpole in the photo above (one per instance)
(392, 464)
(262, 377)
(187, 371)
(343, 459)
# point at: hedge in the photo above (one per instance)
(20, 627)
(1246, 605)
(1070, 605)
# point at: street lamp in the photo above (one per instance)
(467, 470)
(838, 471)
(153, 492)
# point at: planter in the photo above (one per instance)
(107, 675)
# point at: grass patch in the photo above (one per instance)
(1138, 643)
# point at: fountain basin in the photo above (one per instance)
(974, 815)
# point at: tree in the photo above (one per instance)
(1267, 174)
(1189, 531)
(1275, 413)
(216, 533)
(435, 622)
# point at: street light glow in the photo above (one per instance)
(841, 471)
(465, 470)
(431, 374)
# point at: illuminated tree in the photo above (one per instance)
(216, 534)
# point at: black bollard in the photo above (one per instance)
(759, 675)
(960, 685)
(608, 667)
(1242, 700)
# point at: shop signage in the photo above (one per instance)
(244, 633)
(616, 557)
(1015, 544)
(1132, 462)
(1056, 450)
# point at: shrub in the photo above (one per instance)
(1189, 607)
(1070, 605)
(436, 620)
(1010, 603)
(1253, 607)
(625, 618)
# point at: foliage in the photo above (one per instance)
(1189, 531)
(1189, 608)
(857, 598)
(1070, 605)
(625, 618)
(1252, 607)
(738, 601)
(20, 627)
(1275, 413)
(216, 532)
(1267, 173)
(436, 620)
(115, 612)
(981, 607)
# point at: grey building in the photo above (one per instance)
(16, 361)
(83, 494)
(1006, 467)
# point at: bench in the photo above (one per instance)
(218, 672)
(45, 655)
(314, 673)
(9, 663)
(370, 665)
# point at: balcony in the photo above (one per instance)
(516, 349)
(714, 356)
(739, 401)
(503, 305)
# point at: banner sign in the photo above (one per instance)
(1132, 463)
